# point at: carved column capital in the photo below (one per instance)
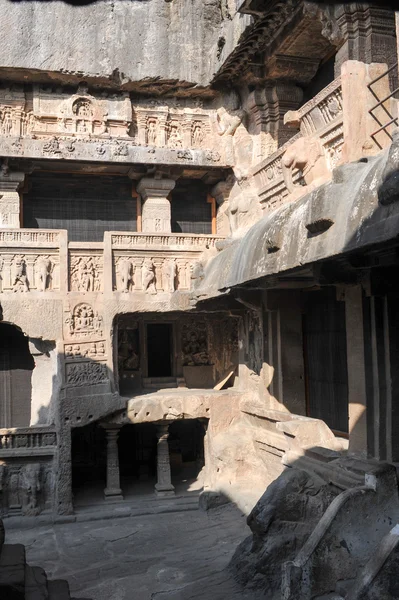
(156, 213)
(10, 201)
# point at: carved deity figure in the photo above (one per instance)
(152, 133)
(195, 351)
(148, 276)
(20, 279)
(198, 135)
(175, 140)
(44, 268)
(307, 155)
(169, 272)
(31, 487)
(126, 272)
(83, 274)
(6, 122)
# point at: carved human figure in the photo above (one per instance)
(175, 140)
(7, 122)
(83, 274)
(20, 279)
(169, 272)
(198, 135)
(307, 155)
(31, 487)
(194, 350)
(152, 133)
(148, 276)
(126, 272)
(44, 267)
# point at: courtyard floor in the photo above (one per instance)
(178, 554)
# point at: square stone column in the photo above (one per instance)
(10, 202)
(156, 212)
(163, 487)
(113, 490)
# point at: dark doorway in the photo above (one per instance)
(16, 366)
(159, 349)
(88, 458)
(137, 453)
(325, 359)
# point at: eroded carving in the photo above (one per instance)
(126, 270)
(148, 276)
(44, 268)
(94, 350)
(306, 155)
(88, 373)
(20, 281)
(31, 488)
(195, 343)
(86, 273)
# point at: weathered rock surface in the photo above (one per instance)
(280, 523)
(114, 41)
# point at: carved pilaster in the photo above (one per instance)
(164, 486)
(156, 213)
(368, 33)
(9, 198)
(113, 490)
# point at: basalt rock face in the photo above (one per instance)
(120, 42)
(281, 521)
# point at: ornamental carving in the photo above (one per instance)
(88, 373)
(194, 344)
(84, 322)
(84, 350)
(86, 273)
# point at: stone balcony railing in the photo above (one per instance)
(43, 261)
(320, 119)
(24, 441)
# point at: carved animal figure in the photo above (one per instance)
(20, 280)
(31, 486)
(148, 276)
(126, 271)
(43, 266)
(307, 155)
(169, 275)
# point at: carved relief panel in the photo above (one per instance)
(80, 114)
(194, 343)
(83, 322)
(29, 271)
(85, 272)
(152, 274)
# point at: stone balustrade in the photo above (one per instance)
(27, 441)
(320, 122)
(42, 261)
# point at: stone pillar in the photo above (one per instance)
(156, 213)
(113, 491)
(356, 371)
(163, 487)
(10, 202)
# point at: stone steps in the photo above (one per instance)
(19, 581)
